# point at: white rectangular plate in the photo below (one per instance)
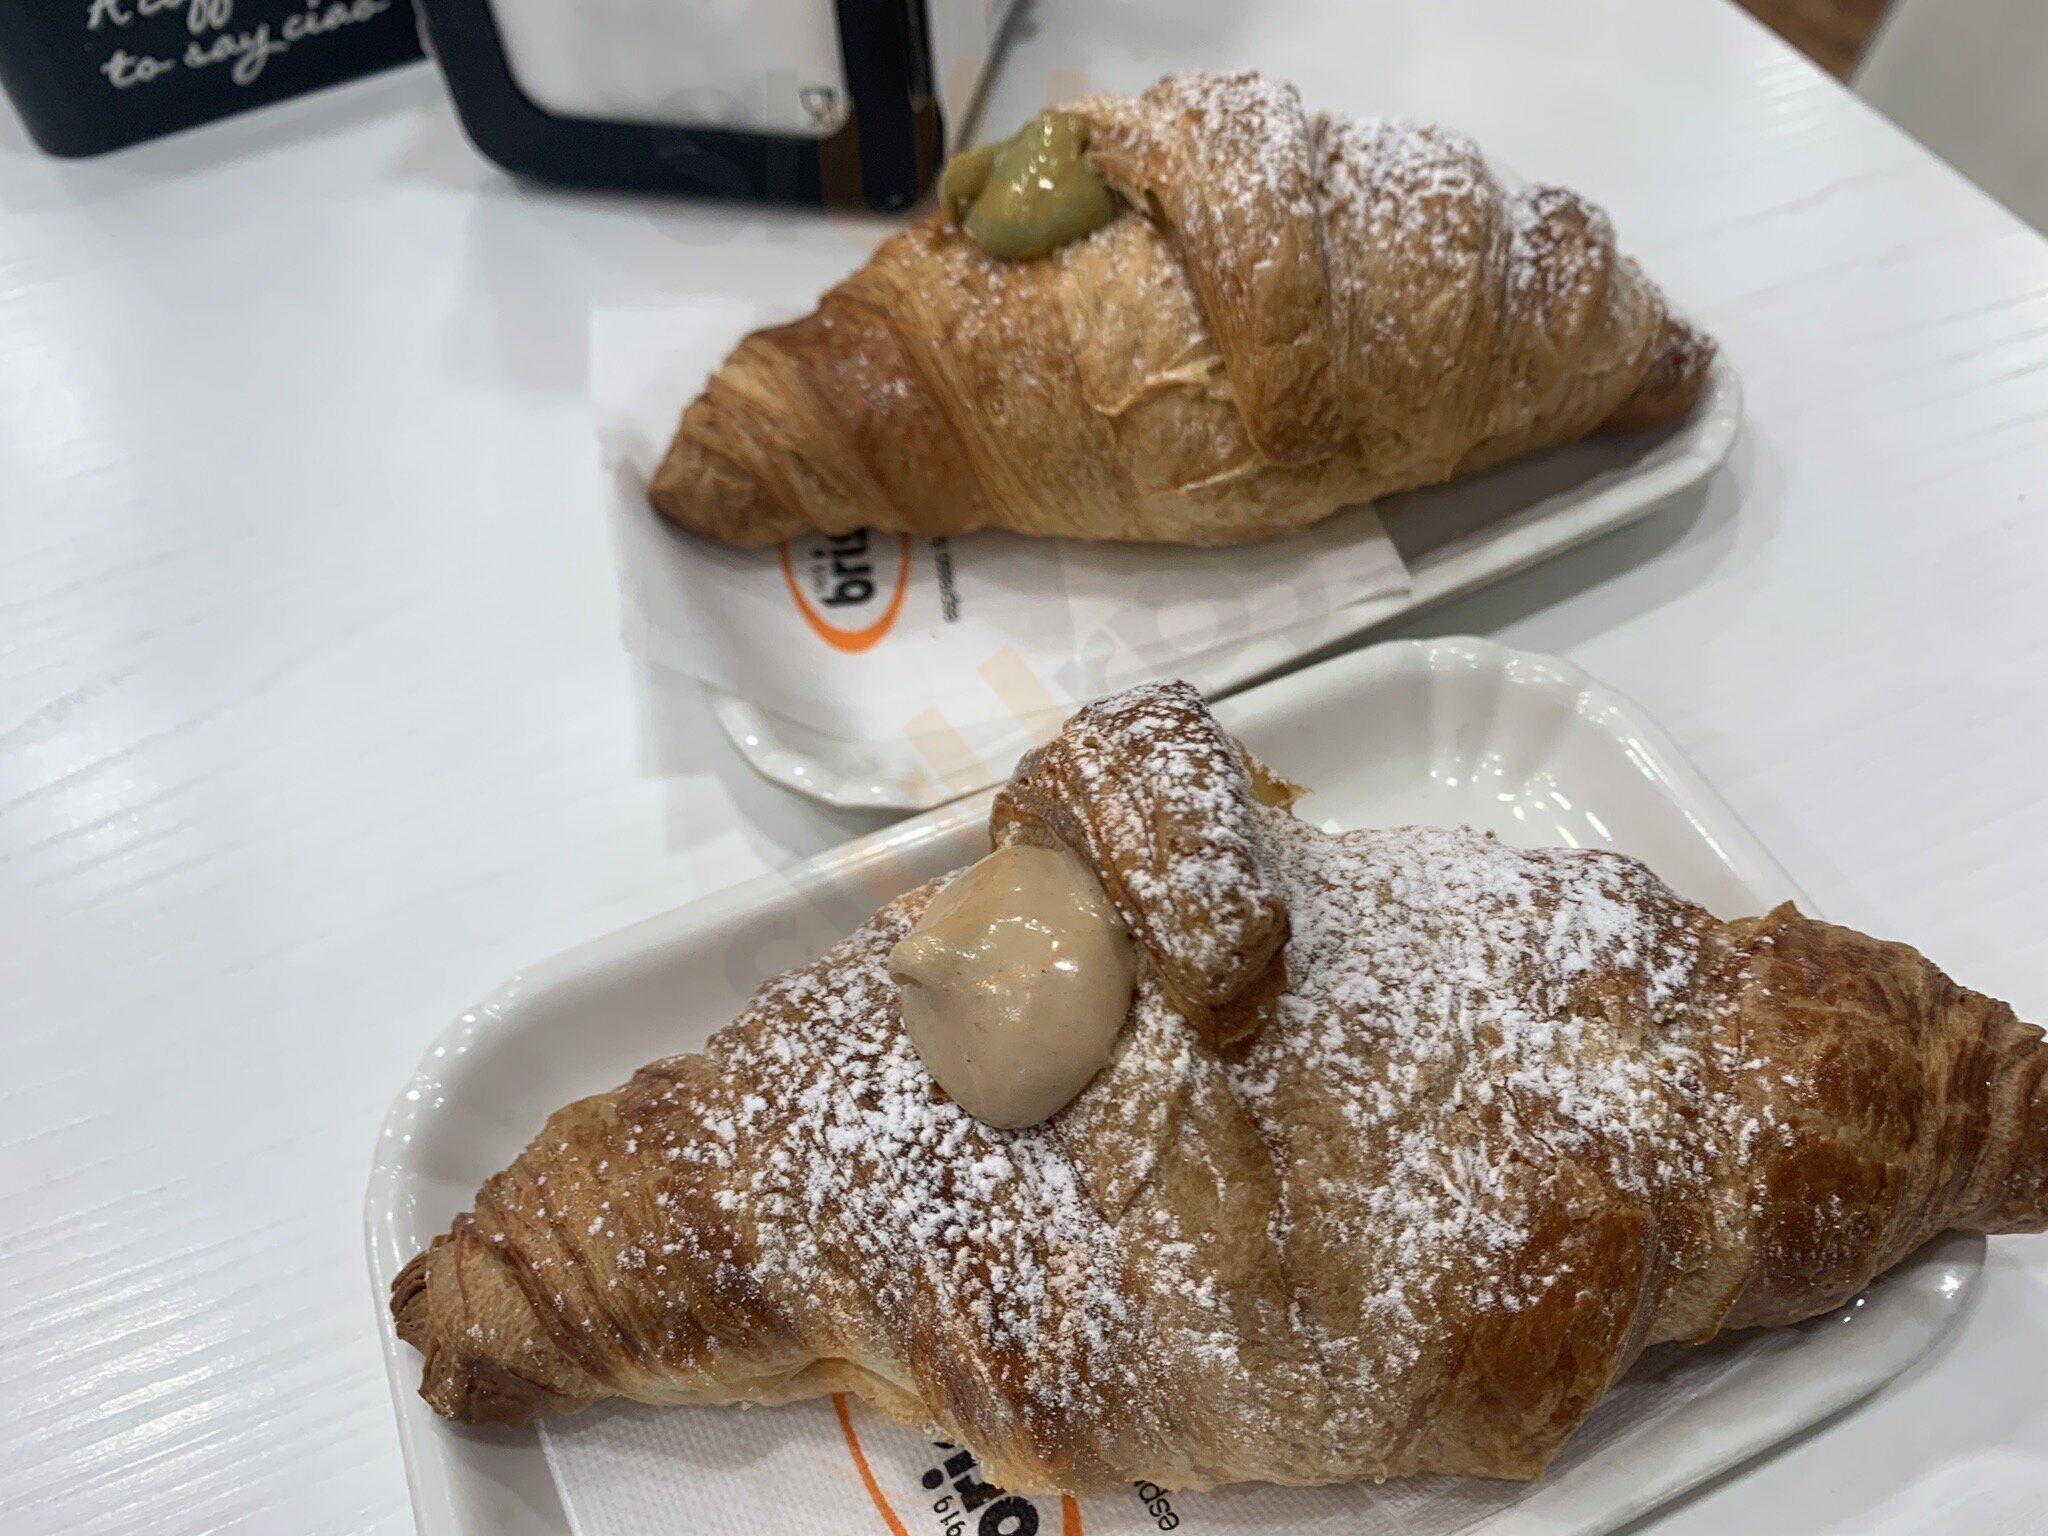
(1444, 731)
(1454, 538)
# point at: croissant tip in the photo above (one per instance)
(704, 492)
(479, 1393)
(409, 1297)
(1678, 371)
(2015, 1196)
(463, 1385)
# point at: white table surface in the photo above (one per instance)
(313, 722)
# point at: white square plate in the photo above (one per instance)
(1454, 538)
(1443, 731)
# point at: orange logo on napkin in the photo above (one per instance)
(842, 585)
(997, 1513)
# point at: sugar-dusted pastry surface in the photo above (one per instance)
(1292, 312)
(1456, 1132)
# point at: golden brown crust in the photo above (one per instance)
(1907, 1104)
(1255, 259)
(1291, 314)
(1677, 368)
(1507, 1118)
(839, 376)
(1154, 795)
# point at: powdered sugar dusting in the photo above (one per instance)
(1464, 1022)
(1457, 301)
(867, 1190)
(1397, 191)
(1467, 1030)
(1166, 785)
(1255, 126)
(1558, 245)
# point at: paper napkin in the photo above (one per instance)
(988, 638)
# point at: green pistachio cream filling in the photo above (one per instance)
(1031, 193)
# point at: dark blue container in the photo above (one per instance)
(92, 75)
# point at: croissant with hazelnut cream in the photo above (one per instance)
(1410, 1143)
(1284, 314)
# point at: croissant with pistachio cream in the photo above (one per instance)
(1198, 315)
(1352, 1155)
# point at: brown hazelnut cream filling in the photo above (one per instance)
(1031, 193)
(1015, 982)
